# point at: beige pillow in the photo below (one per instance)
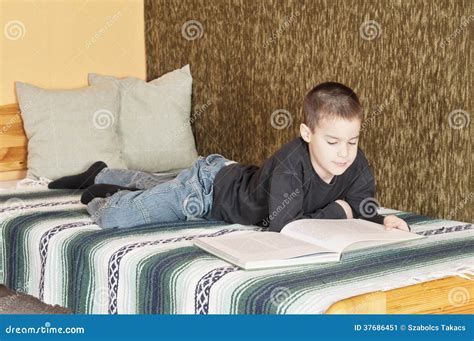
(154, 127)
(68, 130)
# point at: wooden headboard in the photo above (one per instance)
(13, 143)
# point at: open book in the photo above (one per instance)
(304, 241)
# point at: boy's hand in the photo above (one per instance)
(347, 208)
(392, 221)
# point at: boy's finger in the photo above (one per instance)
(392, 226)
(402, 227)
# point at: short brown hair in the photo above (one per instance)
(330, 100)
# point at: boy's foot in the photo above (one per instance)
(78, 181)
(102, 191)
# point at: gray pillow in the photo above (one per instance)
(154, 126)
(68, 130)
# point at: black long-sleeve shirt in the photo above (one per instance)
(287, 188)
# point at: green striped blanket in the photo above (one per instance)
(50, 248)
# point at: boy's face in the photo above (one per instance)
(332, 146)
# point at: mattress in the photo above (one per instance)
(8, 185)
(51, 249)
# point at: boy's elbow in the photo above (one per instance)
(350, 214)
(346, 207)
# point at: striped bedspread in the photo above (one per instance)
(51, 249)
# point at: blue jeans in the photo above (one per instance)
(186, 196)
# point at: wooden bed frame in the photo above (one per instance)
(13, 144)
(431, 297)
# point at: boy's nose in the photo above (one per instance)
(342, 152)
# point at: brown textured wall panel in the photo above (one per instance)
(410, 63)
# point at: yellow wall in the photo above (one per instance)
(54, 44)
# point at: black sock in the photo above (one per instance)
(102, 191)
(79, 181)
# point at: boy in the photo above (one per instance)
(322, 174)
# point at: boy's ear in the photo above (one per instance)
(305, 132)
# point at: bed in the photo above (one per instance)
(51, 249)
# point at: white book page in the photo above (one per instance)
(337, 234)
(259, 246)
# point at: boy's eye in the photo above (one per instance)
(331, 143)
